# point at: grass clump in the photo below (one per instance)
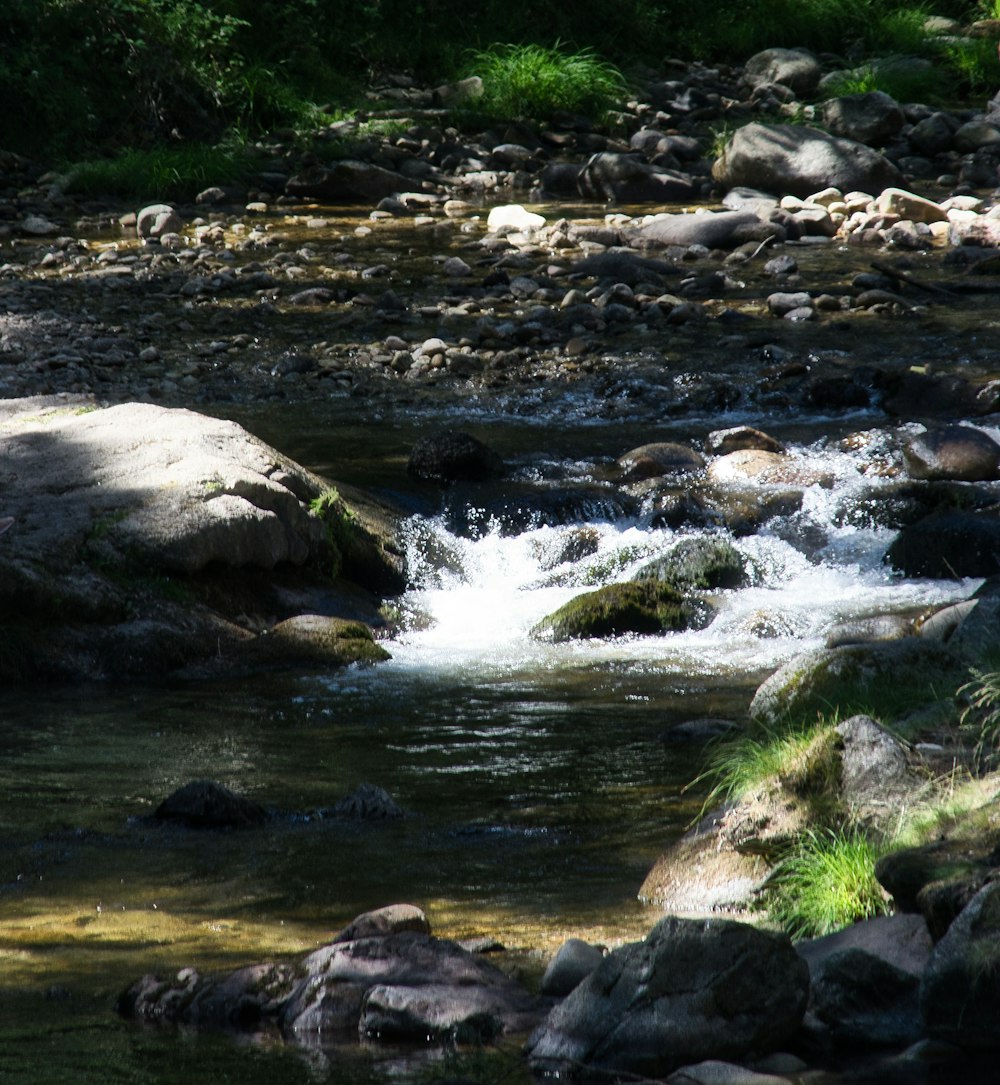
(980, 718)
(532, 83)
(162, 173)
(825, 883)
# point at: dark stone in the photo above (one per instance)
(367, 802)
(953, 544)
(626, 178)
(204, 804)
(864, 1001)
(692, 990)
(661, 458)
(452, 456)
(954, 452)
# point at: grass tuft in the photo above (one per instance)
(532, 82)
(826, 883)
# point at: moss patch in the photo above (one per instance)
(648, 606)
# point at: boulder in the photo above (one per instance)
(648, 606)
(740, 438)
(574, 961)
(948, 545)
(797, 69)
(171, 537)
(368, 802)
(961, 453)
(714, 230)
(152, 222)
(830, 679)
(314, 639)
(716, 1072)
(873, 766)
(661, 458)
(901, 940)
(452, 456)
(960, 989)
(691, 990)
(347, 181)
(797, 160)
(703, 563)
(204, 804)
(873, 117)
(864, 1001)
(627, 178)
(392, 919)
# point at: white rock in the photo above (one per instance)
(826, 196)
(513, 217)
(908, 205)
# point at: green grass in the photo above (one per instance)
(980, 718)
(739, 766)
(826, 883)
(162, 173)
(532, 83)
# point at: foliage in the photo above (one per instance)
(740, 765)
(981, 715)
(825, 883)
(161, 173)
(531, 82)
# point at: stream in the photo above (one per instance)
(540, 781)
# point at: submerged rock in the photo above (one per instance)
(204, 804)
(648, 606)
(691, 990)
(454, 456)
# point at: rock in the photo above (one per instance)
(451, 456)
(648, 606)
(960, 989)
(908, 205)
(572, 964)
(953, 452)
(714, 230)
(794, 68)
(514, 217)
(831, 679)
(764, 468)
(626, 178)
(655, 460)
(347, 181)
(315, 639)
(714, 1072)
(873, 117)
(881, 627)
(622, 267)
(795, 159)
(368, 802)
(949, 545)
(900, 940)
(692, 990)
(393, 984)
(933, 135)
(864, 1001)
(392, 919)
(157, 219)
(873, 766)
(462, 90)
(739, 438)
(40, 226)
(204, 804)
(118, 509)
(702, 563)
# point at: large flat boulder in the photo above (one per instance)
(790, 159)
(144, 539)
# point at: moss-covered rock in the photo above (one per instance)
(647, 606)
(701, 563)
(313, 638)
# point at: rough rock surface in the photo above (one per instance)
(648, 606)
(798, 161)
(692, 990)
(157, 529)
(204, 804)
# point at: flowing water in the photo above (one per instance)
(540, 781)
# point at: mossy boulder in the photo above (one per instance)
(314, 638)
(701, 563)
(646, 606)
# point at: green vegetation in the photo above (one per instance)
(531, 82)
(825, 883)
(980, 718)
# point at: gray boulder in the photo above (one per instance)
(961, 453)
(692, 990)
(872, 118)
(152, 222)
(574, 961)
(348, 181)
(960, 989)
(626, 178)
(204, 804)
(794, 68)
(719, 230)
(797, 160)
(701, 563)
(657, 459)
